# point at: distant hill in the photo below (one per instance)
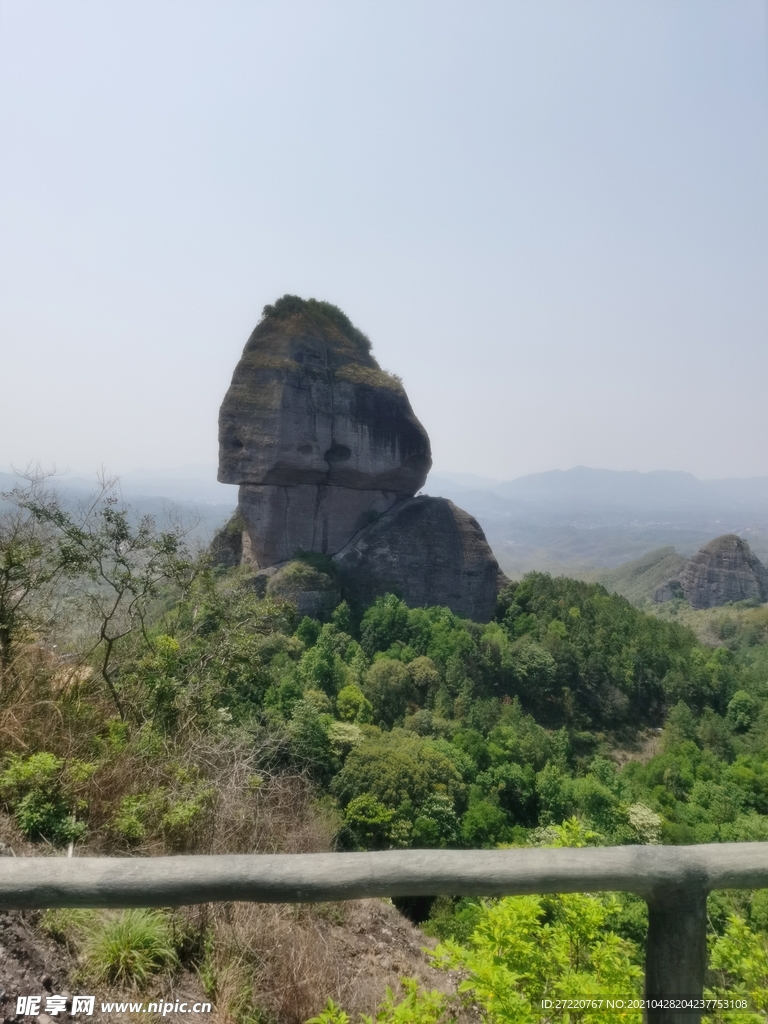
(639, 579)
(201, 502)
(574, 521)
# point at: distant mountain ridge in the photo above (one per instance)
(587, 487)
(193, 483)
(202, 506)
(579, 520)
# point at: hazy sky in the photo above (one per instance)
(550, 217)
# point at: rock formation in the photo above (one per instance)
(723, 570)
(328, 454)
(429, 552)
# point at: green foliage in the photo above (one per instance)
(308, 630)
(521, 950)
(177, 817)
(418, 729)
(742, 709)
(343, 737)
(40, 792)
(484, 825)
(332, 1014)
(418, 1007)
(368, 823)
(399, 770)
(758, 911)
(739, 960)
(313, 311)
(513, 787)
(528, 948)
(353, 706)
(183, 818)
(436, 825)
(385, 623)
(310, 741)
(389, 688)
(321, 666)
(125, 948)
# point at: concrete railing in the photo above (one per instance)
(674, 880)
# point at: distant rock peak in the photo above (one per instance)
(725, 569)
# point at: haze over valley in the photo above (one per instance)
(574, 522)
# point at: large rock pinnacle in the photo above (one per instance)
(323, 444)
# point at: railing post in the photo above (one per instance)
(676, 950)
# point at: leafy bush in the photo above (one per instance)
(418, 1007)
(34, 788)
(739, 959)
(528, 948)
(367, 823)
(742, 709)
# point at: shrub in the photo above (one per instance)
(33, 788)
(39, 818)
(436, 825)
(314, 311)
(526, 948)
(741, 710)
(182, 820)
(397, 769)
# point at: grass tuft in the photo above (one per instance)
(127, 949)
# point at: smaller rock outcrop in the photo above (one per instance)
(427, 551)
(314, 592)
(724, 570)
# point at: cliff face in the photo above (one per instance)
(723, 570)
(326, 449)
(309, 404)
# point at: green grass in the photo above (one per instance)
(129, 948)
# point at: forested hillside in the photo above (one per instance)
(152, 704)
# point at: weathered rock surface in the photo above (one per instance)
(427, 551)
(281, 521)
(723, 570)
(309, 404)
(328, 454)
(226, 548)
